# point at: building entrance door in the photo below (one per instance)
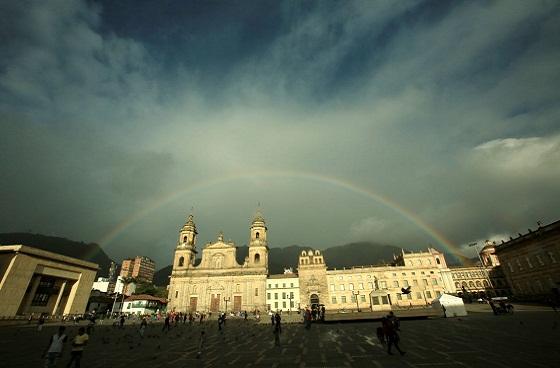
(215, 303)
(237, 303)
(314, 301)
(192, 307)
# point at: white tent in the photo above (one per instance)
(453, 306)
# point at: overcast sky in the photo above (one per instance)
(118, 117)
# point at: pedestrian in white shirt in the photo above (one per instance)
(54, 350)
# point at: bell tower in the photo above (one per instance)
(185, 251)
(258, 245)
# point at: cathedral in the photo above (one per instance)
(218, 279)
(217, 282)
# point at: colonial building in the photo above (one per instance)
(425, 274)
(218, 282)
(37, 281)
(282, 292)
(485, 279)
(144, 304)
(531, 262)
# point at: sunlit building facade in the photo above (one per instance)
(282, 292)
(424, 273)
(218, 282)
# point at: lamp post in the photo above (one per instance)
(226, 299)
(356, 293)
(482, 267)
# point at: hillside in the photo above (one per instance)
(86, 251)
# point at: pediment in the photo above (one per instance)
(220, 245)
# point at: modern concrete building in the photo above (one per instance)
(37, 281)
(141, 268)
(282, 292)
(531, 262)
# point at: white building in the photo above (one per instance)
(102, 284)
(282, 292)
(144, 304)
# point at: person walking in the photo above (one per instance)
(277, 331)
(40, 322)
(78, 344)
(394, 320)
(122, 321)
(54, 349)
(307, 318)
(277, 321)
(143, 326)
(166, 324)
(390, 331)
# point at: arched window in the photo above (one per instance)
(438, 261)
(478, 283)
(471, 284)
(457, 285)
(181, 261)
(257, 235)
(257, 257)
(185, 238)
(486, 284)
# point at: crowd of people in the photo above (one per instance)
(387, 333)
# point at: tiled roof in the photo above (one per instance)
(145, 297)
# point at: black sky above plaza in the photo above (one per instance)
(117, 118)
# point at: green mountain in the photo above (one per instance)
(85, 251)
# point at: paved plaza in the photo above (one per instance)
(524, 339)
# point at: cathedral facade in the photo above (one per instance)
(218, 282)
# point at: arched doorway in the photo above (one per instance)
(314, 301)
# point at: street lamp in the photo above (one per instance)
(482, 267)
(356, 293)
(290, 297)
(226, 299)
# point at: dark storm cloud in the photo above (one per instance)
(108, 108)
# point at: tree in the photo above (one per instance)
(151, 289)
(127, 281)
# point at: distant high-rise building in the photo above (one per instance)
(141, 268)
(112, 271)
(112, 279)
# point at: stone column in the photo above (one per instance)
(31, 295)
(59, 297)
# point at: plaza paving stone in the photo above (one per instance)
(525, 339)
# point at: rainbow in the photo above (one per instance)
(385, 201)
